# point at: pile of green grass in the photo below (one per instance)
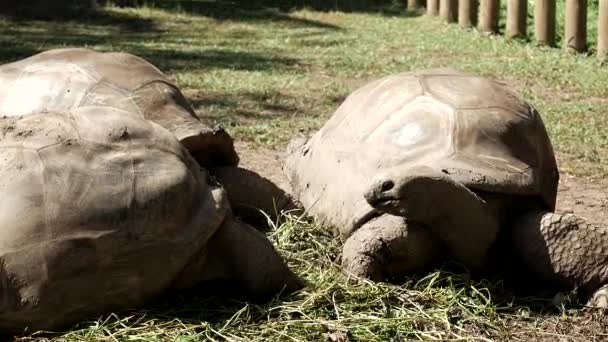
(267, 76)
(333, 307)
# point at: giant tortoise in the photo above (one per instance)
(107, 200)
(417, 163)
(63, 79)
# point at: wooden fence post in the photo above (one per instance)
(544, 22)
(517, 13)
(432, 7)
(447, 10)
(412, 5)
(488, 16)
(602, 31)
(467, 13)
(575, 37)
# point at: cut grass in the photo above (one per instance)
(333, 307)
(268, 76)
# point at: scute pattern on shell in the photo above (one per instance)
(95, 191)
(478, 131)
(64, 79)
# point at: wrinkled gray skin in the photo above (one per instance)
(110, 194)
(418, 165)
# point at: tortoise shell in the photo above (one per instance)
(474, 129)
(64, 79)
(104, 211)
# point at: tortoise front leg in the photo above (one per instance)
(386, 247)
(564, 249)
(463, 220)
(244, 257)
(251, 260)
(252, 196)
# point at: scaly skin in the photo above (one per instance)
(387, 246)
(463, 220)
(244, 255)
(564, 248)
(560, 248)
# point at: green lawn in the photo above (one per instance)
(267, 76)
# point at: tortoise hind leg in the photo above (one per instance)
(387, 247)
(252, 196)
(563, 249)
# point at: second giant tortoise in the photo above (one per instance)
(64, 79)
(415, 162)
(107, 199)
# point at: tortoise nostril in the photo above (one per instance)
(387, 185)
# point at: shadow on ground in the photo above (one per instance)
(213, 304)
(254, 9)
(25, 34)
(21, 38)
(238, 11)
(247, 106)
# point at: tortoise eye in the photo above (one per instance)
(387, 185)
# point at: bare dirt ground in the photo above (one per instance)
(267, 162)
(584, 197)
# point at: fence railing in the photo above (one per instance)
(486, 15)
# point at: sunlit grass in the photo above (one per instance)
(438, 306)
(265, 74)
(271, 76)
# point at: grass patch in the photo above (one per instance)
(333, 307)
(268, 75)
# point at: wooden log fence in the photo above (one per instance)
(432, 7)
(448, 10)
(485, 14)
(412, 5)
(489, 11)
(467, 13)
(575, 36)
(517, 14)
(602, 31)
(544, 22)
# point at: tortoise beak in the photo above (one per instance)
(382, 193)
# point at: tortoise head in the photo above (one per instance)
(162, 102)
(406, 192)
